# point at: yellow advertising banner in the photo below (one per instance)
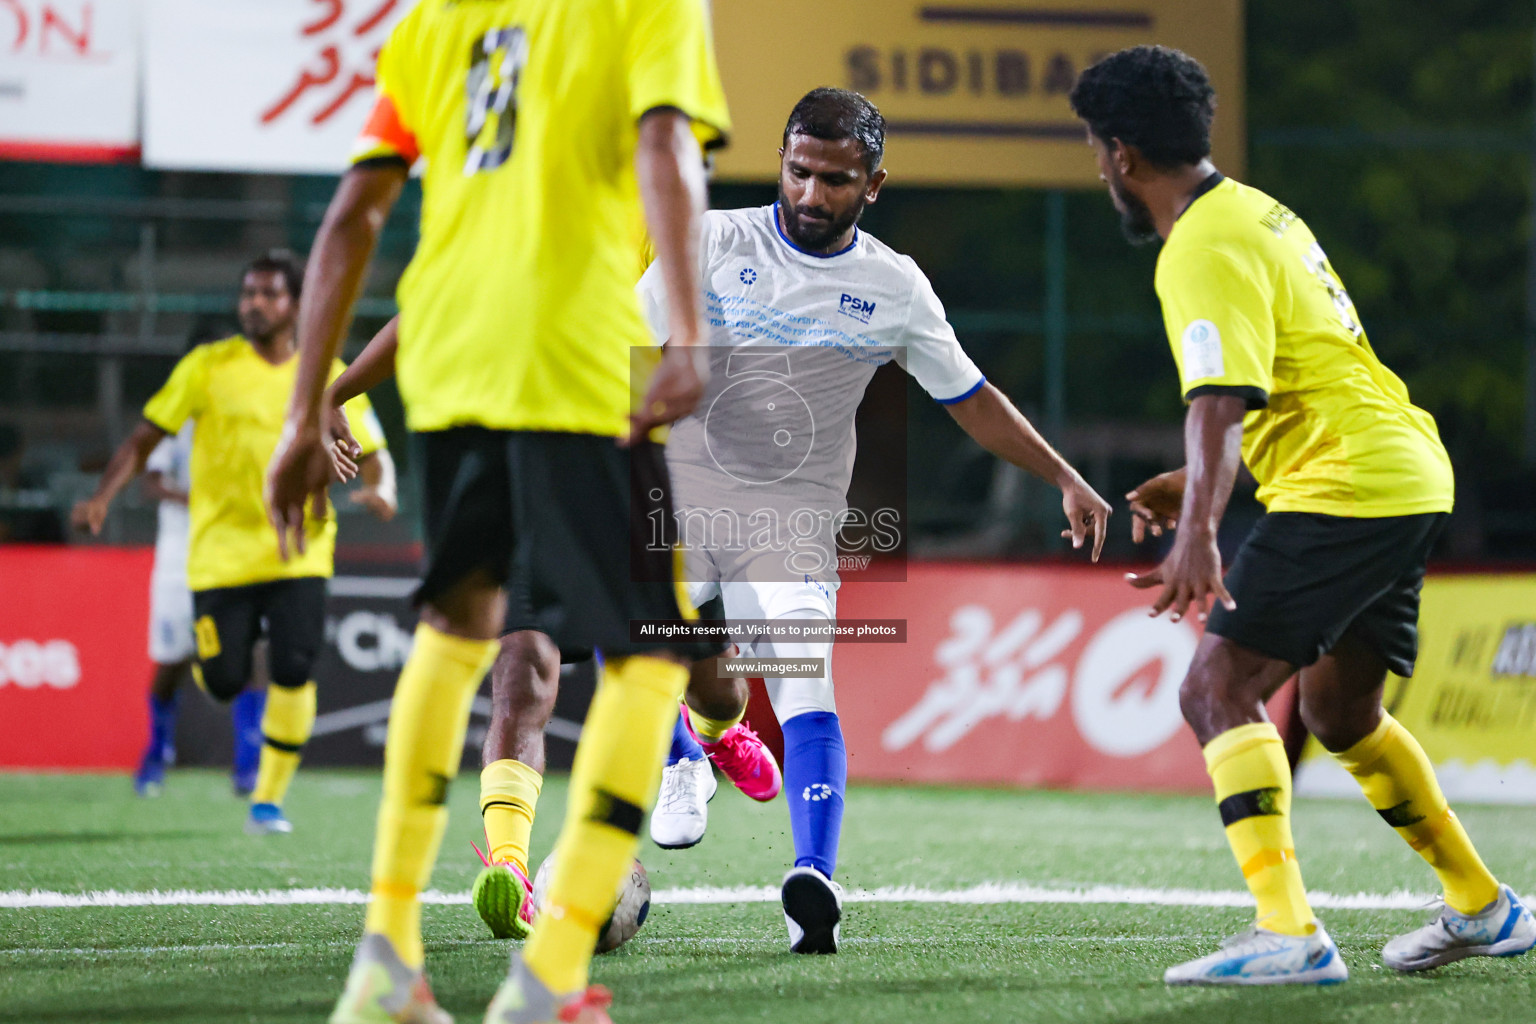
(1472, 699)
(973, 93)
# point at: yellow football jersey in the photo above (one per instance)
(239, 400)
(518, 311)
(1252, 307)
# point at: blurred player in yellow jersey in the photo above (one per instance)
(543, 125)
(1278, 374)
(236, 390)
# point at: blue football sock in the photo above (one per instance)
(245, 713)
(162, 727)
(815, 779)
(683, 744)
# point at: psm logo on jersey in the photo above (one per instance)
(749, 276)
(859, 309)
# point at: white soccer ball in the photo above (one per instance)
(634, 903)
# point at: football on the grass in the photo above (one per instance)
(628, 914)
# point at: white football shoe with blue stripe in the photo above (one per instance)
(1504, 929)
(1263, 957)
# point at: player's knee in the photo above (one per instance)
(290, 671)
(1337, 725)
(218, 680)
(1212, 700)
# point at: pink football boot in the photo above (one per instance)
(743, 758)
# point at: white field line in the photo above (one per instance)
(687, 941)
(984, 894)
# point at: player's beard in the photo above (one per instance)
(256, 327)
(823, 237)
(1136, 221)
(262, 330)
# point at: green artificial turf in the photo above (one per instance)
(724, 962)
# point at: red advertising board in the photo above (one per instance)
(1018, 675)
(74, 663)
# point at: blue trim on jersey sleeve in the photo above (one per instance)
(961, 398)
(818, 255)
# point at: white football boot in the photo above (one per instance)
(813, 910)
(1506, 928)
(1262, 957)
(381, 989)
(524, 999)
(682, 805)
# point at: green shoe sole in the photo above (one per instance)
(498, 896)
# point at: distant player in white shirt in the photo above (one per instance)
(803, 308)
(168, 477)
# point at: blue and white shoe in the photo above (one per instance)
(243, 782)
(1506, 928)
(266, 819)
(149, 780)
(1263, 957)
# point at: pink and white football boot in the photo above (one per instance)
(743, 757)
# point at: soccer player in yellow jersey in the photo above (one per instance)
(1278, 375)
(543, 125)
(237, 391)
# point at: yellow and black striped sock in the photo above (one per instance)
(613, 783)
(709, 730)
(286, 723)
(1400, 783)
(509, 795)
(1253, 792)
(427, 721)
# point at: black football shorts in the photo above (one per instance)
(579, 530)
(1302, 580)
(229, 620)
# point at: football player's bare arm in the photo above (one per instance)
(378, 494)
(671, 177)
(1191, 574)
(998, 426)
(373, 366)
(1155, 504)
(301, 466)
(158, 488)
(126, 463)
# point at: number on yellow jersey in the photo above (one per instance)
(1317, 262)
(495, 64)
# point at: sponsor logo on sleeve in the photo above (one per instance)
(1202, 351)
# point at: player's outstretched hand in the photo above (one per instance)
(298, 475)
(674, 391)
(1086, 512)
(1189, 576)
(1156, 504)
(89, 514)
(341, 445)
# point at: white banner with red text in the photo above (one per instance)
(69, 80)
(260, 85)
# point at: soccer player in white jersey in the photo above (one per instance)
(803, 307)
